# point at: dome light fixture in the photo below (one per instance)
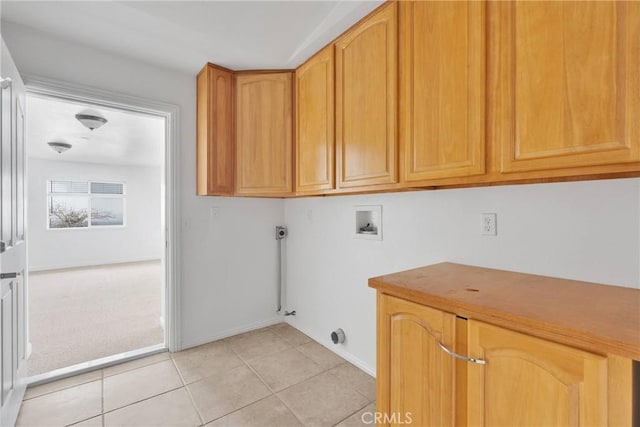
(59, 147)
(92, 119)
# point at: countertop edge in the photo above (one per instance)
(574, 337)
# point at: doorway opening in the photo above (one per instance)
(97, 233)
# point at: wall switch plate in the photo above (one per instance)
(489, 224)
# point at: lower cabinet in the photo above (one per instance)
(528, 381)
(438, 369)
(415, 379)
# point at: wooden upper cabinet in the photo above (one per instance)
(366, 101)
(566, 82)
(544, 383)
(214, 166)
(315, 142)
(442, 89)
(264, 133)
(415, 376)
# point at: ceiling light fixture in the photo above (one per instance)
(59, 147)
(91, 118)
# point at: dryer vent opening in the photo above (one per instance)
(337, 336)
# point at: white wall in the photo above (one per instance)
(585, 230)
(244, 228)
(139, 240)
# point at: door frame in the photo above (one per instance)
(172, 195)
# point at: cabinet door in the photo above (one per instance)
(215, 132)
(528, 381)
(415, 377)
(366, 99)
(315, 142)
(567, 91)
(264, 134)
(442, 81)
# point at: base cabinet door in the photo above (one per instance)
(415, 377)
(528, 381)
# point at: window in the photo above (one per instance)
(84, 204)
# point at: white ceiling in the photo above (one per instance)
(184, 35)
(181, 35)
(126, 139)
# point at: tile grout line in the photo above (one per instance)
(352, 388)
(93, 416)
(61, 389)
(241, 408)
(246, 360)
(184, 385)
(193, 403)
(282, 351)
(326, 370)
(290, 410)
(246, 363)
(259, 377)
(321, 364)
(351, 415)
(273, 393)
(266, 385)
(146, 398)
(132, 369)
(275, 331)
(141, 400)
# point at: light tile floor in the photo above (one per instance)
(275, 376)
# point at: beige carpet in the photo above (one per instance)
(78, 315)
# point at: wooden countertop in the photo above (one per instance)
(598, 318)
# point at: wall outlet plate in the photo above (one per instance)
(489, 224)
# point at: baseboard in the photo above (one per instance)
(340, 351)
(37, 269)
(234, 331)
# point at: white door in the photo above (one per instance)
(13, 293)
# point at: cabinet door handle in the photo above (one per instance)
(459, 356)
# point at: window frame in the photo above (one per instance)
(88, 196)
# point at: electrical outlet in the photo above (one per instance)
(489, 224)
(214, 212)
